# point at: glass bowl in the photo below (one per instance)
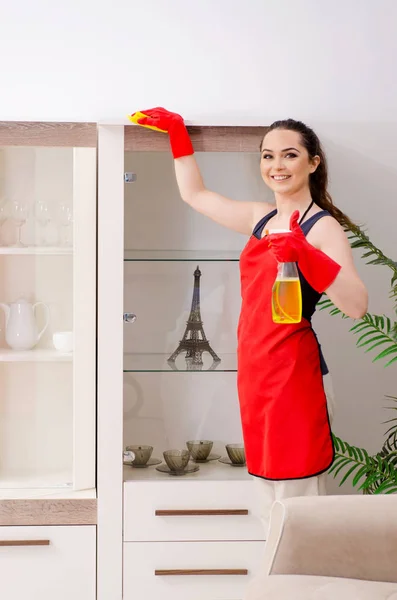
(236, 453)
(199, 449)
(142, 453)
(176, 460)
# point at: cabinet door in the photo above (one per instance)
(84, 317)
(43, 563)
(47, 305)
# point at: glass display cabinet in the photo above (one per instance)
(47, 308)
(169, 300)
(48, 506)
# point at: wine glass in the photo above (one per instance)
(3, 216)
(19, 212)
(43, 217)
(66, 220)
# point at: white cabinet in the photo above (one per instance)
(48, 255)
(190, 540)
(48, 225)
(43, 563)
(150, 245)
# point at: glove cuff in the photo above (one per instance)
(180, 141)
(319, 270)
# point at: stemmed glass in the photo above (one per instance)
(43, 217)
(19, 212)
(3, 216)
(66, 220)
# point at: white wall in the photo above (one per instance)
(258, 60)
(223, 61)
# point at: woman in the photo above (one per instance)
(283, 403)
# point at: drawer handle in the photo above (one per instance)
(24, 542)
(202, 513)
(166, 572)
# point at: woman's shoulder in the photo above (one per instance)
(324, 220)
(325, 229)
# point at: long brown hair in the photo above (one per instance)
(318, 181)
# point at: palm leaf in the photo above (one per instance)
(393, 360)
(359, 239)
(373, 331)
(360, 473)
(389, 449)
(327, 304)
(373, 474)
(355, 467)
(386, 488)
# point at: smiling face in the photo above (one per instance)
(285, 163)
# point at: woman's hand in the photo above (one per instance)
(159, 117)
(326, 263)
(287, 247)
(318, 268)
(171, 123)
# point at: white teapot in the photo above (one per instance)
(21, 327)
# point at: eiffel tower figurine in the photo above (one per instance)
(194, 340)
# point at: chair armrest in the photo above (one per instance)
(334, 536)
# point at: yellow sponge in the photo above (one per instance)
(139, 115)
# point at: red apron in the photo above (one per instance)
(283, 406)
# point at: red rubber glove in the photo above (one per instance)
(318, 268)
(173, 124)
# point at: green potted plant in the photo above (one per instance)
(375, 474)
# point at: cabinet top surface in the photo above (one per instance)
(213, 471)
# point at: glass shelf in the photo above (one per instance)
(42, 355)
(181, 255)
(37, 250)
(157, 363)
(20, 479)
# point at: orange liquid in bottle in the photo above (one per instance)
(287, 300)
(286, 291)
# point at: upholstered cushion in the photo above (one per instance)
(352, 537)
(306, 587)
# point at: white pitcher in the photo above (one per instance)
(21, 327)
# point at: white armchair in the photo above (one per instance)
(330, 548)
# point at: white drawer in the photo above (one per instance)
(222, 559)
(162, 511)
(43, 563)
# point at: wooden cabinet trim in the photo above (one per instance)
(204, 139)
(48, 512)
(20, 133)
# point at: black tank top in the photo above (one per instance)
(310, 296)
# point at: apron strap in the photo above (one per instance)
(305, 213)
